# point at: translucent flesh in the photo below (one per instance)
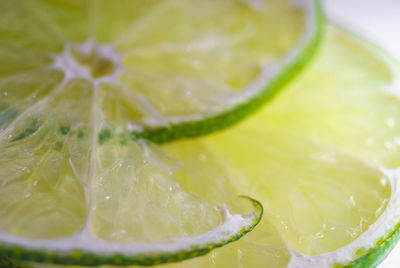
(321, 187)
(319, 192)
(363, 120)
(44, 163)
(57, 177)
(62, 170)
(74, 82)
(176, 71)
(306, 156)
(204, 66)
(65, 151)
(85, 155)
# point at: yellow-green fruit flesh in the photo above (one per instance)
(320, 193)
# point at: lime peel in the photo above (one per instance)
(82, 249)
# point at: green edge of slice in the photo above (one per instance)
(10, 254)
(383, 246)
(231, 116)
(374, 256)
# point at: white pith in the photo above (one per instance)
(83, 241)
(73, 70)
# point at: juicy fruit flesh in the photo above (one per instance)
(67, 145)
(54, 184)
(72, 89)
(138, 200)
(317, 174)
(203, 71)
(324, 199)
(54, 52)
(321, 187)
(317, 197)
(43, 169)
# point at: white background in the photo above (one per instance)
(378, 21)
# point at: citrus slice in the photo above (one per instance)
(75, 190)
(322, 158)
(181, 68)
(328, 201)
(81, 81)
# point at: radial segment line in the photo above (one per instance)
(88, 186)
(142, 102)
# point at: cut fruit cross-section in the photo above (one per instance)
(83, 82)
(73, 191)
(323, 160)
(328, 202)
(179, 66)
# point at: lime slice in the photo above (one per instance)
(75, 190)
(330, 193)
(81, 82)
(179, 67)
(323, 159)
(328, 201)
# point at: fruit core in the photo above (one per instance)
(96, 63)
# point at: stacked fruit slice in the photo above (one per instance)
(323, 159)
(87, 87)
(83, 82)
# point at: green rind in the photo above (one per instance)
(373, 257)
(11, 254)
(234, 115)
